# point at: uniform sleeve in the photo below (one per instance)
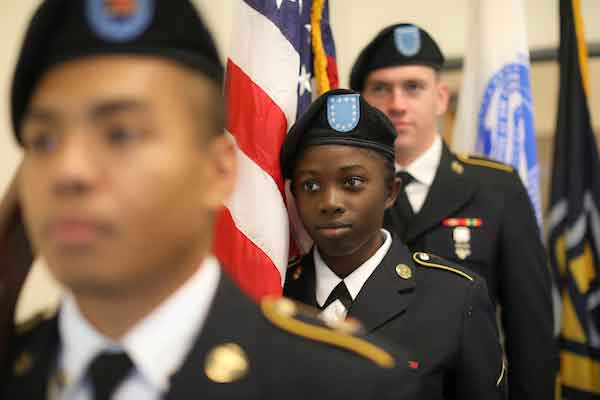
(480, 370)
(526, 303)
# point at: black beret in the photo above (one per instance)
(61, 30)
(339, 116)
(400, 44)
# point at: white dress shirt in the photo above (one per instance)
(157, 345)
(327, 280)
(423, 169)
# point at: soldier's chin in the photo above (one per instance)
(94, 287)
(403, 142)
(336, 247)
(84, 277)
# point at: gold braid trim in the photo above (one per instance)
(485, 163)
(324, 335)
(418, 260)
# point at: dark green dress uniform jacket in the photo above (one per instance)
(270, 358)
(506, 250)
(440, 312)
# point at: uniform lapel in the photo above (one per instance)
(231, 320)
(450, 190)
(385, 294)
(301, 282)
(34, 364)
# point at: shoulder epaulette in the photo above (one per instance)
(427, 260)
(31, 323)
(300, 320)
(484, 162)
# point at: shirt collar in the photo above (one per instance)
(80, 342)
(157, 344)
(327, 280)
(423, 169)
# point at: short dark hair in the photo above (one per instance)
(217, 108)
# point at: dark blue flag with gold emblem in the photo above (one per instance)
(574, 231)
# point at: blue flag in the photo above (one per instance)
(495, 112)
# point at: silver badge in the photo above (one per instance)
(462, 241)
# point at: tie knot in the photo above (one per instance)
(405, 177)
(341, 293)
(106, 371)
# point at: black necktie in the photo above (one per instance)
(341, 293)
(403, 208)
(107, 371)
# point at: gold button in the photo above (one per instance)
(403, 271)
(23, 364)
(285, 307)
(457, 167)
(297, 273)
(226, 363)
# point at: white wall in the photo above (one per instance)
(354, 23)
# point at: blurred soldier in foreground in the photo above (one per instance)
(118, 109)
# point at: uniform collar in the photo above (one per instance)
(327, 280)
(157, 344)
(423, 169)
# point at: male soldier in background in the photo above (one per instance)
(118, 109)
(472, 210)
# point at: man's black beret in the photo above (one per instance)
(343, 117)
(400, 44)
(61, 30)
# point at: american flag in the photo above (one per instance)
(278, 46)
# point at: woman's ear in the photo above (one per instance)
(393, 188)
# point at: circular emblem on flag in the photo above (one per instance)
(506, 116)
(119, 20)
(343, 112)
(407, 40)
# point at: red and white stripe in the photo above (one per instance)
(252, 234)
